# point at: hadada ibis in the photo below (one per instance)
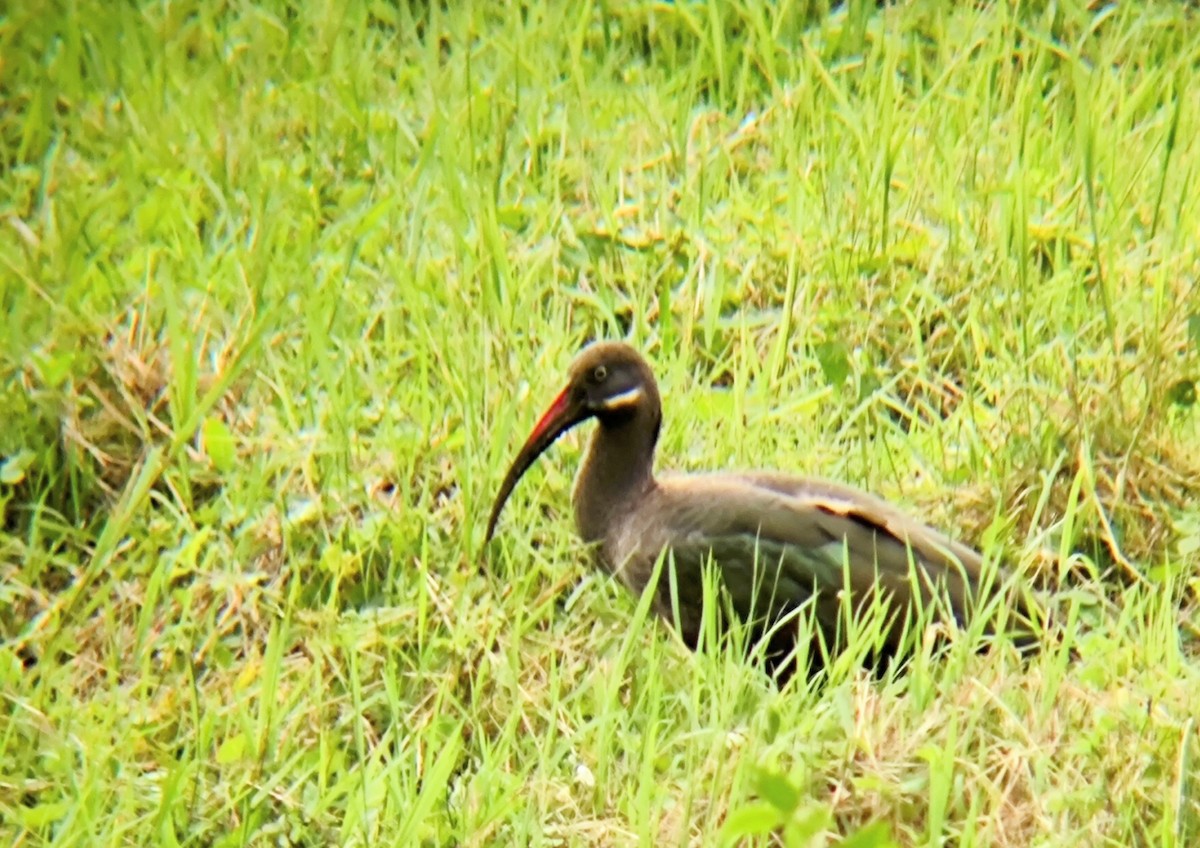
(779, 543)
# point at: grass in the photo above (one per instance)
(286, 284)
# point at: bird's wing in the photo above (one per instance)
(780, 542)
(872, 512)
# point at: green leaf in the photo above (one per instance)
(218, 443)
(1194, 330)
(875, 835)
(807, 827)
(37, 817)
(834, 361)
(12, 470)
(232, 749)
(777, 790)
(753, 819)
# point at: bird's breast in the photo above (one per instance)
(629, 550)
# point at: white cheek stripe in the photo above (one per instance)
(629, 397)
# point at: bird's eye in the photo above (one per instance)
(600, 374)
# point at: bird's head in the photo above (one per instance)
(609, 381)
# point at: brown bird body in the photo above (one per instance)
(780, 543)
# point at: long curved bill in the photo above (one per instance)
(562, 415)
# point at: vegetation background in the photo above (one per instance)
(285, 284)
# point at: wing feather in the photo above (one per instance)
(783, 543)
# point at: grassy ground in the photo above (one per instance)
(286, 285)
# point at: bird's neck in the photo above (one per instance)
(617, 471)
